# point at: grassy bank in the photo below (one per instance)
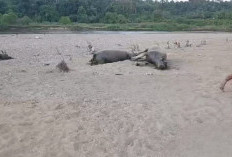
(168, 25)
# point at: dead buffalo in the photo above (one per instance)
(154, 57)
(110, 56)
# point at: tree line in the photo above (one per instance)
(109, 11)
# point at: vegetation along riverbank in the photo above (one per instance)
(115, 15)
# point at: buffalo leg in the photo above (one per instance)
(142, 63)
(139, 56)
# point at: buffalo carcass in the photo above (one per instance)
(110, 56)
(153, 57)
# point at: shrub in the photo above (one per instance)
(157, 15)
(9, 18)
(92, 19)
(49, 13)
(115, 18)
(121, 19)
(24, 20)
(73, 18)
(113, 27)
(3, 27)
(38, 19)
(65, 20)
(0, 18)
(82, 15)
(82, 18)
(110, 17)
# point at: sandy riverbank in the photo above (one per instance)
(93, 112)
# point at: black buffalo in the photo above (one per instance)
(110, 56)
(158, 59)
(154, 57)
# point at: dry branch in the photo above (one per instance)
(63, 67)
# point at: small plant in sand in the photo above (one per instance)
(135, 48)
(177, 44)
(168, 45)
(4, 56)
(188, 44)
(203, 42)
(63, 67)
(90, 47)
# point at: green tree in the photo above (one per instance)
(157, 15)
(24, 7)
(110, 17)
(121, 19)
(73, 17)
(66, 8)
(3, 7)
(221, 15)
(24, 20)
(115, 18)
(48, 13)
(82, 15)
(9, 19)
(65, 20)
(118, 11)
(0, 18)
